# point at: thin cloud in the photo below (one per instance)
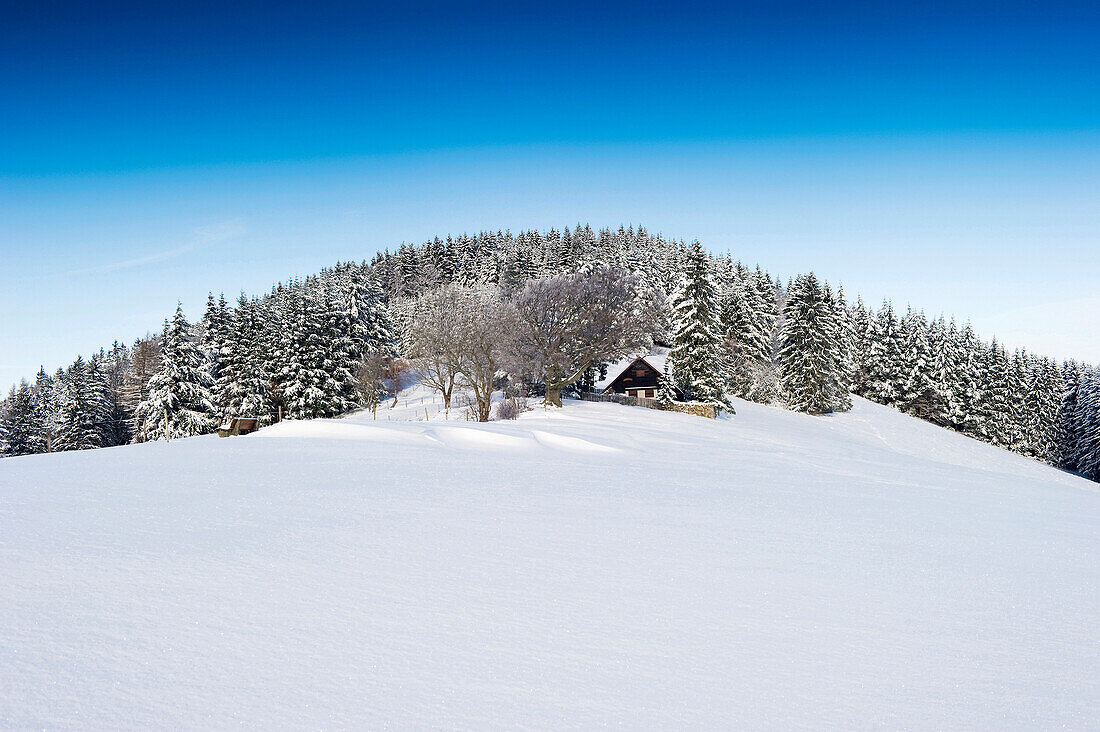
(201, 237)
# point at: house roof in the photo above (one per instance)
(655, 358)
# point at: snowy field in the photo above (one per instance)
(593, 566)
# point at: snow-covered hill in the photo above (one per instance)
(596, 565)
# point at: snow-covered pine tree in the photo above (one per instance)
(846, 340)
(972, 380)
(81, 409)
(840, 334)
(745, 322)
(3, 427)
(994, 403)
(274, 316)
(24, 433)
(941, 348)
(950, 377)
(885, 367)
(99, 391)
(216, 326)
(1087, 454)
(666, 392)
(1065, 447)
(252, 365)
(696, 356)
(47, 404)
(231, 363)
(307, 386)
(1019, 406)
(862, 324)
(917, 395)
(213, 328)
(179, 392)
(448, 261)
(375, 322)
(345, 341)
(1045, 392)
(810, 360)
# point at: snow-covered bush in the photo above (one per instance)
(509, 409)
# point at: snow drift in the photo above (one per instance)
(596, 565)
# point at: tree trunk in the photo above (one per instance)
(553, 396)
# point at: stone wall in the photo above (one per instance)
(696, 408)
(699, 410)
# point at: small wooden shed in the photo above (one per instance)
(238, 426)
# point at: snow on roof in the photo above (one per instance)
(655, 358)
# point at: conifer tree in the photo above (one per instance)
(307, 386)
(666, 393)
(1018, 407)
(885, 370)
(24, 433)
(972, 381)
(1087, 453)
(99, 392)
(46, 402)
(844, 336)
(178, 404)
(862, 323)
(1066, 438)
(1045, 392)
(696, 355)
(941, 345)
(81, 409)
(251, 365)
(917, 394)
(3, 427)
(745, 324)
(216, 326)
(809, 357)
(993, 405)
(847, 335)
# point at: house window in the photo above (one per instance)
(650, 393)
(639, 372)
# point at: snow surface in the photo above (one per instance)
(596, 565)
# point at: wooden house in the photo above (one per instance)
(636, 376)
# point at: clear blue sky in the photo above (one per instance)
(946, 155)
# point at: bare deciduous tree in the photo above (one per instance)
(567, 324)
(484, 342)
(372, 372)
(432, 338)
(381, 375)
(397, 372)
(459, 335)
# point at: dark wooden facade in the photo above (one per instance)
(238, 426)
(639, 379)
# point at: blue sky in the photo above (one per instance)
(946, 156)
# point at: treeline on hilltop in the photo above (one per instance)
(325, 345)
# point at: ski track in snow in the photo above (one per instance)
(598, 565)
